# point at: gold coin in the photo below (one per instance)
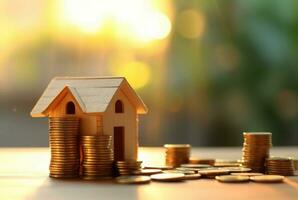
(133, 179)
(97, 172)
(65, 152)
(69, 154)
(63, 126)
(195, 165)
(268, 178)
(63, 131)
(168, 177)
(188, 169)
(147, 171)
(246, 174)
(62, 136)
(232, 178)
(94, 177)
(107, 163)
(98, 139)
(71, 168)
(128, 164)
(213, 172)
(64, 143)
(128, 161)
(95, 151)
(208, 161)
(96, 146)
(177, 146)
(162, 167)
(97, 165)
(238, 169)
(63, 176)
(63, 171)
(64, 160)
(184, 171)
(257, 134)
(192, 176)
(97, 157)
(227, 164)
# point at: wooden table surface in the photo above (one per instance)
(24, 175)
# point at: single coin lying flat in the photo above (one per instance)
(162, 167)
(268, 178)
(133, 179)
(192, 176)
(187, 169)
(180, 171)
(232, 179)
(168, 177)
(214, 171)
(147, 172)
(237, 169)
(195, 165)
(209, 161)
(246, 174)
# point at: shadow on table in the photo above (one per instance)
(83, 189)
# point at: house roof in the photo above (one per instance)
(93, 94)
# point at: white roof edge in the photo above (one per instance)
(87, 77)
(138, 98)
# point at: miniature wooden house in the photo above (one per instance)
(105, 105)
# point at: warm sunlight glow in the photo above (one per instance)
(138, 74)
(151, 26)
(86, 15)
(140, 20)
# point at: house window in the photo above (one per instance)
(119, 107)
(70, 108)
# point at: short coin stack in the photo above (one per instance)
(65, 154)
(255, 150)
(97, 153)
(128, 167)
(280, 166)
(177, 154)
(207, 161)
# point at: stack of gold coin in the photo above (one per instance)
(97, 154)
(128, 167)
(177, 154)
(255, 150)
(295, 164)
(65, 154)
(280, 166)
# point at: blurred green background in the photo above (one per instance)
(207, 69)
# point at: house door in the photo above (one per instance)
(119, 143)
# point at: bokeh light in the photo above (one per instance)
(190, 23)
(137, 73)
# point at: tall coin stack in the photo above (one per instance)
(280, 166)
(177, 154)
(65, 155)
(255, 150)
(128, 167)
(98, 157)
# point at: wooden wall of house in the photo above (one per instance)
(88, 123)
(128, 119)
(92, 124)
